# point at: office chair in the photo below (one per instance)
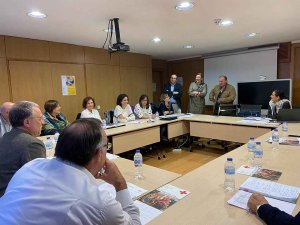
(78, 116)
(109, 116)
(290, 115)
(249, 110)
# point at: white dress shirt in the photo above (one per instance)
(127, 113)
(4, 126)
(88, 114)
(140, 112)
(56, 192)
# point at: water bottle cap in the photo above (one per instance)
(275, 129)
(258, 143)
(137, 151)
(229, 159)
(251, 138)
(48, 138)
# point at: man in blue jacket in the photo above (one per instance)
(174, 90)
(271, 215)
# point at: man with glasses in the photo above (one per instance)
(64, 190)
(174, 90)
(20, 145)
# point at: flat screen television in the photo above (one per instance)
(258, 93)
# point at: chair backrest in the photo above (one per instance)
(109, 116)
(78, 116)
(291, 115)
(154, 108)
(250, 110)
(227, 110)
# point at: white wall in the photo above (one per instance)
(241, 67)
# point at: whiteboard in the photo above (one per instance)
(242, 67)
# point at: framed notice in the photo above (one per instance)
(68, 85)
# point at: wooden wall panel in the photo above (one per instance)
(103, 84)
(4, 84)
(133, 82)
(133, 59)
(31, 81)
(71, 105)
(115, 59)
(149, 83)
(96, 56)
(29, 49)
(2, 46)
(295, 67)
(60, 52)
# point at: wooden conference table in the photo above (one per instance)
(207, 203)
(133, 136)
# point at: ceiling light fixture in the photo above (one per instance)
(37, 14)
(156, 40)
(253, 34)
(223, 23)
(188, 46)
(183, 6)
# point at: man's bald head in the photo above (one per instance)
(5, 108)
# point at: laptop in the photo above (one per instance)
(290, 115)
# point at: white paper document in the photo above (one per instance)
(246, 170)
(271, 189)
(240, 199)
(134, 190)
(147, 213)
(111, 156)
(136, 122)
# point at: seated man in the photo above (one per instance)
(4, 120)
(269, 214)
(64, 190)
(20, 145)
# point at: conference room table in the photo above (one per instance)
(142, 133)
(207, 203)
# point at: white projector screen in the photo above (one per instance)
(242, 67)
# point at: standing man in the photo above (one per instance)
(64, 190)
(4, 120)
(20, 145)
(174, 90)
(222, 94)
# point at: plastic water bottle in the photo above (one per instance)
(229, 182)
(179, 111)
(149, 118)
(157, 116)
(258, 155)
(251, 147)
(48, 143)
(285, 129)
(138, 163)
(275, 139)
(56, 136)
(104, 124)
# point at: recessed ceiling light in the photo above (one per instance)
(156, 40)
(37, 14)
(183, 6)
(253, 34)
(188, 46)
(223, 23)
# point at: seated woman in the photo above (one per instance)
(123, 112)
(143, 109)
(88, 104)
(165, 107)
(277, 102)
(55, 121)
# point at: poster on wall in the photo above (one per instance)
(68, 85)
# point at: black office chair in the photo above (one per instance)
(227, 110)
(290, 115)
(109, 116)
(78, 116)
(249, 110)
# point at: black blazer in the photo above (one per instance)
(285, 105)
(162, 108)
(177, 88)
(274, 216)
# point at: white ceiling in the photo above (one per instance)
(81, 22)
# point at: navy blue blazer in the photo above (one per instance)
(274, 216)
(177, 88)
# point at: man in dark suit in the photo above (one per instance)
(174, 90)
(271, 215)
(20, 145)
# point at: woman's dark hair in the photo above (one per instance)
(85, 101)
(279, 94)
(120, 98)
(50, 105)
(78, 142)
(142, 98)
